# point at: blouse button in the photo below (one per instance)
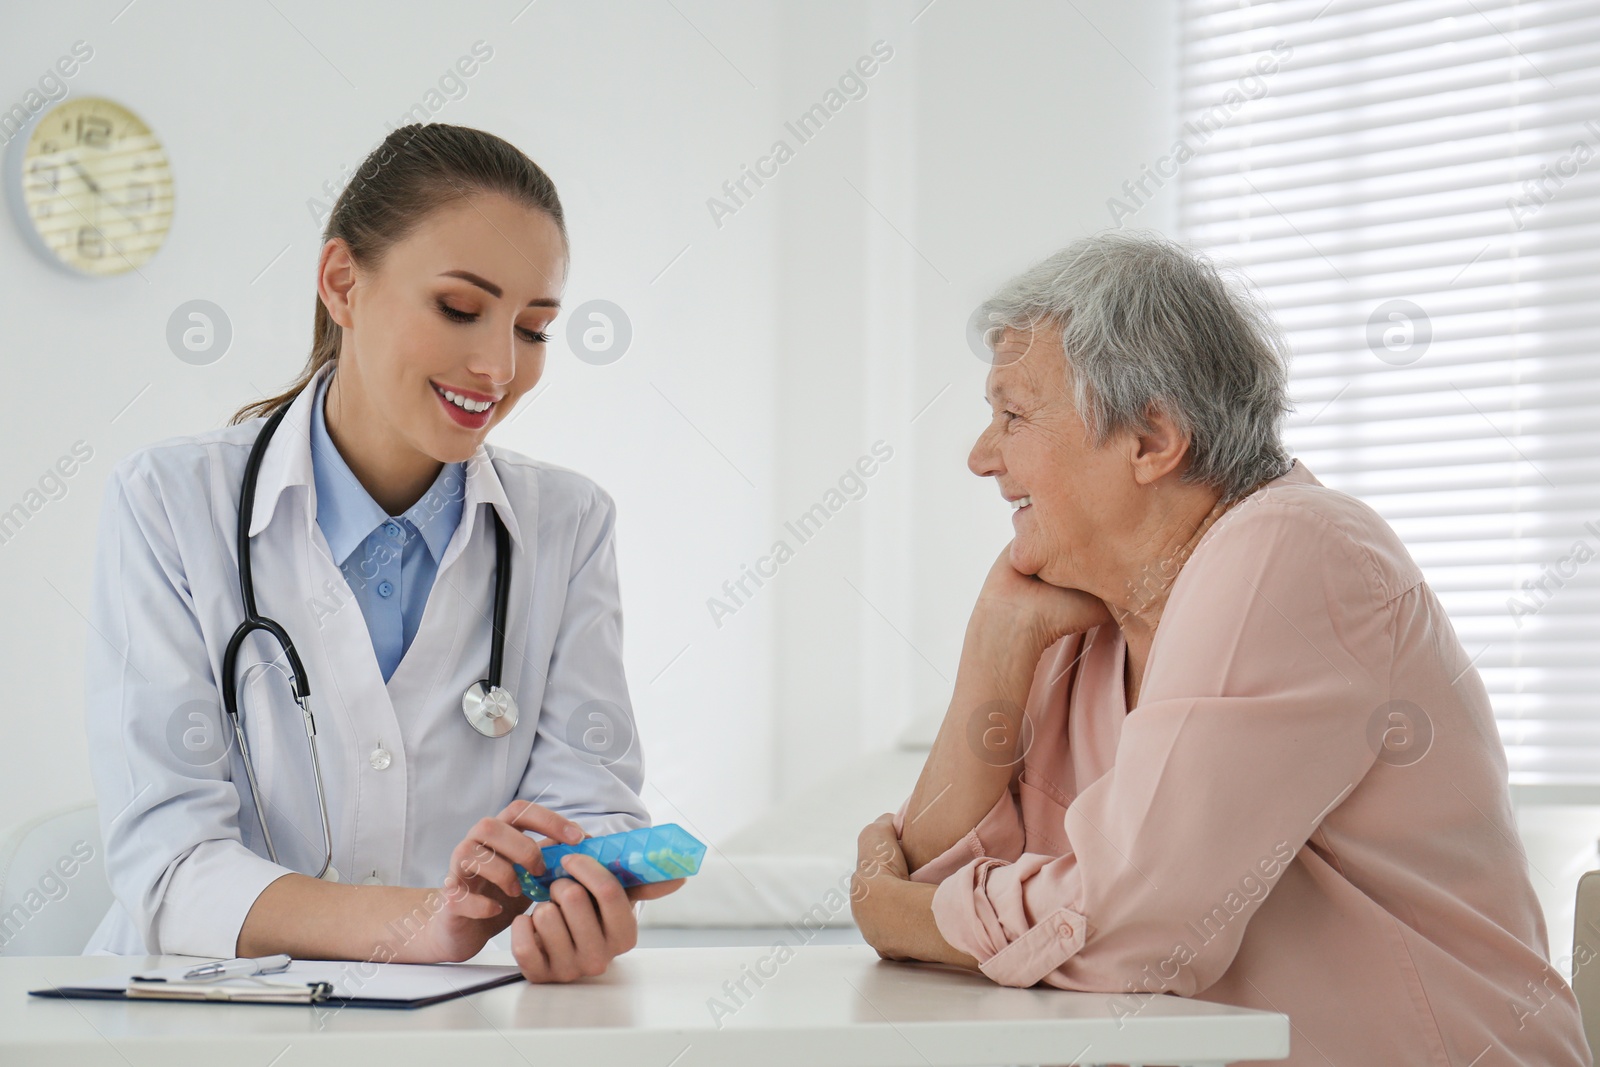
(380, 758)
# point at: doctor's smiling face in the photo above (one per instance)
(441, 338)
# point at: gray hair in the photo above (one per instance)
(1148, 322)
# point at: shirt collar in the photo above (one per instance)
(345, 510)
(348, 514)
(438, 512)
(288, 463)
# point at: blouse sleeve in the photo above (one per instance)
(586, 763)
(998, 835)
(159, 741)
(1271, 656)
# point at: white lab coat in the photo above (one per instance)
(184, 852)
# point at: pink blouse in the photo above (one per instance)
(1307, 812)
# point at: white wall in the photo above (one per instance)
(823, 315)
(993, 137)
(1050, 110)
(770, 351)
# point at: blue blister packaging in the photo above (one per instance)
(648, 854)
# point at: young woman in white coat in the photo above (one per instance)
(375, 534)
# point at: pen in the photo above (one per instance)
(235, 968)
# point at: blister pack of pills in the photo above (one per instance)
(648, 854)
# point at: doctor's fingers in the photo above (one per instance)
(470, 870)
(526, 815)
(611, 901)
(538, 960)
(510, 842)
(550, 922)
(593, 946)
(484, 872)
(528, 951)
(480, 869)
(507, 904)
(465, 898)
(490, 850)
(654, 890)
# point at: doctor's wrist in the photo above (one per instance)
(309, 918)
(408, 925)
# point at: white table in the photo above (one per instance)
(827, 1006)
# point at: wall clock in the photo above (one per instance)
(90, 187)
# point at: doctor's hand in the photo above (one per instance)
(481, 897)
(481, 894)
(587, 922)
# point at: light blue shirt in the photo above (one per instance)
(390, 567)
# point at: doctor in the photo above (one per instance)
(381, 530)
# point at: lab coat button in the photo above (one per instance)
(380, 758)
(385, 590)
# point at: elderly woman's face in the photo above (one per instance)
(1037, 449)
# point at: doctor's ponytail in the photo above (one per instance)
(414, 171)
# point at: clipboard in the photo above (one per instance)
(356, 984)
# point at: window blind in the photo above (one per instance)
(1414, 188)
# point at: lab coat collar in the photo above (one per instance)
(288, 463)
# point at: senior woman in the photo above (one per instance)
(1211, 733)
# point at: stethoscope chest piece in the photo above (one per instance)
(490, 709)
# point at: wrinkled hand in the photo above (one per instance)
(894, 913)
(879, 860)
(1025, 608)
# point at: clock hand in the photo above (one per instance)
(87, 180)
(99, 198)
(97, 191)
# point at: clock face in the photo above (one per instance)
(95, 187)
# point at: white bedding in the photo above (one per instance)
(793, 865)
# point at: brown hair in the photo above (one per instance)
(416, 170)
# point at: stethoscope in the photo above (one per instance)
(489, 708)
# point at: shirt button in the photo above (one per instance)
(385, 590)
(392, 529)
(380, 758)
(372, 879)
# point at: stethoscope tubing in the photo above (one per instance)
(300, 683)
